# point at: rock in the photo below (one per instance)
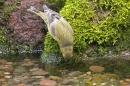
(56, 78)
(8, 77)
(39, 73)
(1, 74)
(38, 77)
(127, 80)
(69, 81)
(34, 69)
(10, 69)
(75, 73)
(94, 84)
(9, 63)
(20, 85)
(27, 64)
(3, 61)
(24, 26)
(47, 82)
(2, 80)
(103, 84)
(20, 69)
(6, 73)
(88, 73)
(96, 68)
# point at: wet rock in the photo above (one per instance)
(28, 64)
(3, 61)
(20, 85)
(56, 78)
(20, 69)
(34, 69)
(47, 82)
(8, 77)
(2, 80)
(38, 77)
(69, 81)
(88, 73)
(24, 26)
(96, 68)
(39, 73)
(10, 69)
(94, 84)
(9, 63)
(6, 73)
(127, 80)
(74, 73)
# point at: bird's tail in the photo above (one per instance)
(45, 8)
(33, 10)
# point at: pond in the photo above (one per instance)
(27, 69)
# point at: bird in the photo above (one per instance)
(59, 29)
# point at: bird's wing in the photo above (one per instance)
(60, 33)
(67, 25)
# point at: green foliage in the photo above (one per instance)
(2, 37)
(98, 21)
(6, 10)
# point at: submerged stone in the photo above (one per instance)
(96, 68)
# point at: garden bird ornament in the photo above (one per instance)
(59, 29)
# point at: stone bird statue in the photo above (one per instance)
(59, 29)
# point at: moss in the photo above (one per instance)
(6, 9)
(98, 22)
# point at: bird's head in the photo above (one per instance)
(67, 52)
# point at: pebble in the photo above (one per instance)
(34, 69)
(8, 77)
(74, 73)
(94, 84)
(6, 73)
(56, 78)
(96, 68)
(39, 73)
(26, 73)
(47, 82)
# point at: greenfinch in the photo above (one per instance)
(59, 29)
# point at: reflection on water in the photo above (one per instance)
(20, 55)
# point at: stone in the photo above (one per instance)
(127, 80)
(8, 77)
(20, 69)
(27, 26)
(27, 64)
(2, 80)
(69, 81)
(20, 85)
(6, 73)
(38, 77)
(88, 73)
(34, 69)
(56, 78)
(9, 63)
(74, 73)
(96, 68)
(39, 73)
(3, 61)
(94, 84)
(47, 82)
(10, 69)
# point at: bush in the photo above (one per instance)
(97, 21)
